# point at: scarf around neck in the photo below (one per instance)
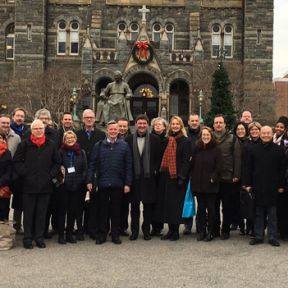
(38, 141)
(169, 157)
(75, 148)
(18, 129)
(3, 148)
(145, 157)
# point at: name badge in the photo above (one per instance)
(71, 170)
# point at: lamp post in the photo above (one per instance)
(74, 98)
(200, 99)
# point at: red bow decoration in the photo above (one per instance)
(143, 48)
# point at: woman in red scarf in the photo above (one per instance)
(72, 192)
(5, 174)
(37, 161)
(174, 169)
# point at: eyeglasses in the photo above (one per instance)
(37, 128)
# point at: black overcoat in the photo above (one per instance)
(145, 189)
(174, 190)
(206, 165)
(265, 172)
(37, 166)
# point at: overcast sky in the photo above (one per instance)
(280, 57)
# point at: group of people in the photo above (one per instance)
(88, 182)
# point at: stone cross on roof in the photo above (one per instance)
(144, 11)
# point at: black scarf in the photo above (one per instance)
(145, 157)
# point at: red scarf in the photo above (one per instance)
(3, 148)
(75, 148)
(38, 141)
(169, 157)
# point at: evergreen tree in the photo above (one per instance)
(221, 101)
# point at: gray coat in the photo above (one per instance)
(13, 141)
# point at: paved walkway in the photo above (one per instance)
(155, 263)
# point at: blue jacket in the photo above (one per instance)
(112, 164)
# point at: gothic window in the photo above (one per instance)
(74, 38)
(156, 35)
(61, 38)
(122, 27)
(259, 36)
(169, 29)
(10, 42)
(228, 41)
(134, 31)
(216, 40)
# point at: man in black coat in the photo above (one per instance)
(146, 153)
(87, 137)
(265, 175)
(67, 124)
(19, 127)
(193, 135)
(37, 161)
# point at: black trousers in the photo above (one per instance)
(110, 204)
(4, 209)
(135, 217)
(124, 213)
(226, 196)
(92, 214)
(51, 214)
(205, 203)
(34, 209)
(282, 214)
(67, 205)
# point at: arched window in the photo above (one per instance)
(228, 41)
(61, 38)
(121, 27)
(134, 31)
(169, 29)
(10, 42)
(156, 32)
(74, 38)
(216, 40)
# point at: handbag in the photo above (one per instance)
(189, 204)
(7, 236)
(247, 205)
(5, 192)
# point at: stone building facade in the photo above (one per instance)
(183, 38)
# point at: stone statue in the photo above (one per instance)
(102, 109)
(118, 94)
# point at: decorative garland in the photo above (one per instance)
(142, 52)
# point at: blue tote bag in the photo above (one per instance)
(189, 204)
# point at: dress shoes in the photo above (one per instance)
(201, 236)
(101, 240)
(71, 239)
(209, 237)
(61, 240)
(167, 236)
(147, 236)
(274, 242)
(156, 233)
(124, 233)
(133, 237)
(28, 245)
(256, 241)
(174, 237)
(116, 240)
(40, 244)
(187, 231)
(225, 236)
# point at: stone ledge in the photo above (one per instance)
(173, 3)
(70, 2)
(221, 3)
